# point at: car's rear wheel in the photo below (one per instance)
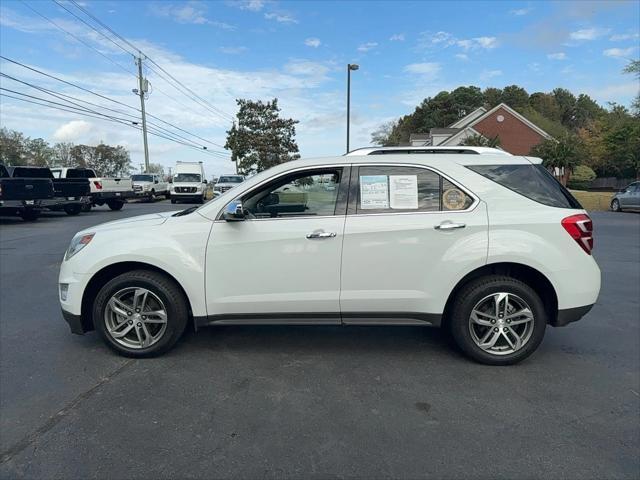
(173, 200)
(73, 209)
(115, 204)
(29, 214)
(498, 320)
(86, 207)
(615, 205)
(140, 313)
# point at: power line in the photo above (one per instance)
(105, 98)
(200, 100)
(89, 113)
(77, 38)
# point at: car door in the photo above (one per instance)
(633, 195)
(410, 236)
(282, 262)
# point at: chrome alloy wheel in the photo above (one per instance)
(501, 323)
(135, 317)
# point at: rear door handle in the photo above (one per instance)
(449, 226)
(313, 235)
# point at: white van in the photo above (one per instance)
(188, 182)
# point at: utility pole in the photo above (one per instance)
(141, 91)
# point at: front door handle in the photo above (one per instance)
(449, 226)
(313, 235)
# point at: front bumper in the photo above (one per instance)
(75, 322)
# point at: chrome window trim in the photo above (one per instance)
(275, 177)
(470, 208)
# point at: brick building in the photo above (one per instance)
(517, 134)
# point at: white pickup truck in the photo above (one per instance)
(112, 191)
(150, 186)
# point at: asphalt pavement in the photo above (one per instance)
(312, 402)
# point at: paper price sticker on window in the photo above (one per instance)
(403, 192)
(374, 192)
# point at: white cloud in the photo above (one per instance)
(588, 33)
(307, 68)
(486, 43)
(462, 56)
(489, 74)
(252, 5)
(619, 52)
(518, 12)
(438, 38)
(557, 56)
(188, 13)
(72, 131)
(313, 42)
(280, 17)
(233, 50)
(534, 66)
(427, 69)
(365, 47)
(441, 39)
(397, 37)
(624, 36)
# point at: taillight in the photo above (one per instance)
(98, 185)
(580, 227)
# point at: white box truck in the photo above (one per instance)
(188, 182)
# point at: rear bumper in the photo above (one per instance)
(104, 196)
(60, 202)
(570, 315)
(36, 203)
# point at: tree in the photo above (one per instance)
(492, 97)
(261, 138)
(155, 168)
(481, 141)
(62, 155)
(38, 152)
(581, 178)
(564, 154)
(382, 136)
(633, 67)
(12, 147)
(516, 97)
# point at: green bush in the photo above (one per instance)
(581, 178)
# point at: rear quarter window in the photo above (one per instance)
(531, 181)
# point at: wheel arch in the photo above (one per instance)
(101, 277)
(529, 275)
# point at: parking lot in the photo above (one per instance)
(312, 402)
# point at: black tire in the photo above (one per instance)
(29, 214)
(173, 200)
(160, 285)
(474, 292)
(86, 207)
(115, 204)
(73, 209)
(167, 196)
(152, 196)
(615, 205)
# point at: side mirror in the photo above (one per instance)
(156, 181)
(233, 212)
(205, 181)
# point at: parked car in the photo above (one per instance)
(227, 182)
(490, 247)
(69, 194)
(627, 199)
(111, 191)
(150, 186)
(23, 196)
(188, 183)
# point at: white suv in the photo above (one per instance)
(491, 247)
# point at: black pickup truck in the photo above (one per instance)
(23, 196)
(69, 194)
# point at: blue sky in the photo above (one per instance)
(298, 51)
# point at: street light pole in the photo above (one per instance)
(350, 67)
(142, 90)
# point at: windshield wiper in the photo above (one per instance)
(185, 212)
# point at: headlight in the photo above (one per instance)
(77, 244)
(146, 187)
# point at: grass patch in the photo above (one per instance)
(593, 200)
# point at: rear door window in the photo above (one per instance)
(393, 189)
(531, 181)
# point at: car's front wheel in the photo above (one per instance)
(498, 320)
(615, 205)
(140, 313)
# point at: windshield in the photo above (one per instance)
(142, 178)
(231, 179)
(187, 177)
